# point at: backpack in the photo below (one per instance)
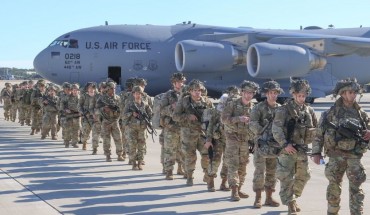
(157, 111)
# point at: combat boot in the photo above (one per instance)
(108, 158)
(292, 210)
(120, 158)
(140, 165)
(134, 166)
(32, 132)
(142, 162)
(211, 184)
(54, 137)
(242, 194)
(169, 175)
(205, 177)
(130, 162)
(95, 151)
(43, 137)
(223, 185)
(189, 179)
(272, 202)
(37, 130)
(84, 145)
(74, 145)
(296, 206)
(22, 123)
(179, 170)
(257, 201)
(235, 193)
(66, 144)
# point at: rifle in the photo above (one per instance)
(51, 102)
(84, 112)
(111, 105)
(195, 111)
(144, 116)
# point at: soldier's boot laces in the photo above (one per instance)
(235, 193)
(271, 201)
(211, 184)
(169, 175)
(134, 166)
(32, 132)
(95, 151)
(189, 180)
(108, 158)
(292, 210)
(242, 194)
(84, 146)
(257, 201)
(179, 170)
(140, 165)
(224, 186)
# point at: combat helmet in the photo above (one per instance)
(140, 82)
(196, 84)
(41, 82)
(129, 83)
(178, 77)
(110, 85)
(66, 85)
(232, 90)
(299, 86)
(75, 86)
(7, 84)
(271, 85)
(249, 86)
(347, 84)
(138, 89)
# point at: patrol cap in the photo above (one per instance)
(111, 85)
(178, 76)
(347, 84)
(249, 86)
(271, 85)
(196, 84)
(137, 89)
(299, 86)
(75, 86)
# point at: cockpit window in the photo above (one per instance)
(72, 43)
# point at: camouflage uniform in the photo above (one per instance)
(22, 91)
(109, 110)
(135, 130)
(6, 94)
(36, 96)
(237, 135)
(70, 109)
(87, 102)
(61, 104)
(27, 108)
(267, 149)
(192, 134)
(344, 153)
(294, 125)
(49, 119)
(15, 102)
(171, 130)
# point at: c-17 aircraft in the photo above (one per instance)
(219, 56)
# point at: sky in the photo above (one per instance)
(27, 27)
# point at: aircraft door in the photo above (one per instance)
(114, 72)
(75, 77)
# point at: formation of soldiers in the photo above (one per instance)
(277, 135)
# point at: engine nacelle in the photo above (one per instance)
(275, 61)
(201, 56)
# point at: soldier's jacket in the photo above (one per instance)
(27, 96)
(261, 119)
(136, 122)
(329, 140)
(214, 127)
(305, 124)
(111, 114)
(62, 99)
(6, 95)
(87, 103)
(94, 105)
(230, 117)
(169, 98)
(19, 94)
(71, 103)
(145, 97)
(36, 98)
(184, 109)
(50, 107)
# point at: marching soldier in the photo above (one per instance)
(267, 149)
(36, 96)
(87, 102)
(344, 137)
(96, 130)
(62, 99)
(70, 109)
(171, 129)
(22, 111)
(294, 127)
(15, 102)
(6, 94)
(188, 111)
(137, 115)
(236, 118)
(110, 112)
(27, 108)
(49, 119)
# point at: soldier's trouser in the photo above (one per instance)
(237, 156)
(123, 137)
(216, 161)
(36, 118)
(334, 172)
(86, 129)
(109, 129)
(136, 140)
(172, 145)
(161, 142)
(293, 173)
(96, 132)
(7, 107)
(71, 130)
(49, 122)
(224, 169)
(14, 110)
(264, 172)
(191, 142)
(22, 112)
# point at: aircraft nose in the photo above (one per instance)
(40, 63)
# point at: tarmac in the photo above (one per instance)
(42, 177)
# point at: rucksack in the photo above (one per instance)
(157, 111)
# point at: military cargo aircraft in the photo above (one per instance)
(219, 56)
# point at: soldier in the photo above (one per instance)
(236, 117)
(294, 127)
(137, 114)
(96, 130)
(15, 102)
(189, 110)
(69, 106)
(6, 94)
(49, 119)
(20, 94)
(27, 103)
(87, 102)
(344, 151)
(61, 103)
(171, 129)
(267, 149)
(36, 96)
(110, 112)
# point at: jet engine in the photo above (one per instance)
(200, 56)
(275, 61)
